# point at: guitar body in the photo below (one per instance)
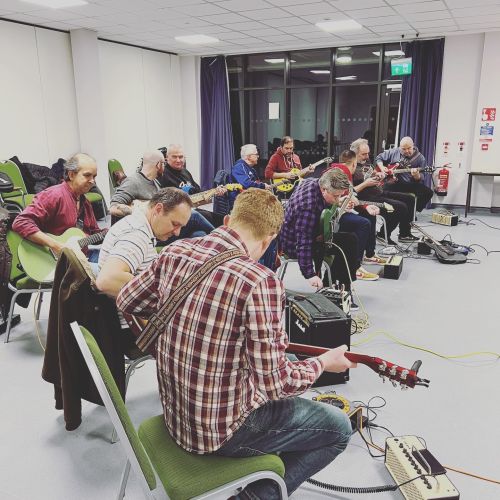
(325, 222)
(286, 185)
(444, 253)
(38, 261)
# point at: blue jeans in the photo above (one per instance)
(196, 226)
(307, 434)
(361, 227)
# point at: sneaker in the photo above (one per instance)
(354, 306)
(374, 260)
(364, 275)
(409, 238)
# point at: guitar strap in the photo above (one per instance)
(160, 320)
(81, 213)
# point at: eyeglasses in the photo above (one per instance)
(253, 154)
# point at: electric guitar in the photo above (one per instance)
(394, 169)
(198, 198)
(444, 253)
(39, 262)
(396, 374)
(286, 185)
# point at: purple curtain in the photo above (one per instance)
(216, 131)
(420, 95)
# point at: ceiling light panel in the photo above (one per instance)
(57, 4)
(339, 26)
(197, 39)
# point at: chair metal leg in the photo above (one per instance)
(123, 484)
(132, 365)
(39, 307)
(11, 314)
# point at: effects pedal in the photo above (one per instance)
(445, 218)
(355, 413)
(407, 458)
(340, 297)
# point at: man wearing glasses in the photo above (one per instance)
(244, 173)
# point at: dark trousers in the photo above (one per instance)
(362, 228)
(345, 261)
(420, 190)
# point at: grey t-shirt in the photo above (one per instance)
(135, 187)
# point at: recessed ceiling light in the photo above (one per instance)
(337, 26)
(344, 59)
(344, 48)
(394, 86)
(277, 61)
(390, 53)
(57, 4)
(197, 39)
(350, 77)
(320, 71)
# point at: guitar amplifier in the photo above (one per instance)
(315, 320)
(393, 267)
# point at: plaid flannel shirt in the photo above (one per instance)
(301, 227)
(223, 354)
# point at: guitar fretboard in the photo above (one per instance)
(93, 239)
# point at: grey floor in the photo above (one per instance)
(450, 310)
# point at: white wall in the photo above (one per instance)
(471, 71)
(37, 95)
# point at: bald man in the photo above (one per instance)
(143, 185)
(407, 156)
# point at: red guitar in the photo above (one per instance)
(393, 169)
(406, 377)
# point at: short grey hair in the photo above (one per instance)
(406, 140)
(170, 197)
(356, 145)
(334, 180)
(247, 150)
(76, 162)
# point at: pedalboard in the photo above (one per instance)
(341, 298)
(407, 458)
(445, 219)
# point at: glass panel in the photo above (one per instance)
(355, 112)
(265, 131)
(310, 67)
(266, 70)
(357, 64)
(237, 105)
(392, 126)
(235, 71)
(309, 122)
(392, 51)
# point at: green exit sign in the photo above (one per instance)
(401, 67)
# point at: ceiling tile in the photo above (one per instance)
(311, 8)
(242, 5)
(358, 4)
(263, 14)
(454, 4)
(18, 6)
(314, 18)
(285, 3)
(200, 10)
(225, 18)
(420, 7)
(430, 24)
(424, 16)
(290, 24)
(247, 25)
(378, 21)
(362, 14)
(472, 11)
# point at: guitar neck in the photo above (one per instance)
(203, 197)
(93, 239)
(323, 160)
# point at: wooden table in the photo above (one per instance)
(469, 186)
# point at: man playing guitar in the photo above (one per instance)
(407, 155)
(285, 164)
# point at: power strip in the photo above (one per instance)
(445, 219)
(406, 458)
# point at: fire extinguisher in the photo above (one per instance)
(443, 177)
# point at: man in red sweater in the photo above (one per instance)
(61, 207)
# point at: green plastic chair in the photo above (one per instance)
(18, 197)
(20, 283)
(183, 475)
(113, 167)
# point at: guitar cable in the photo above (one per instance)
(37, 328)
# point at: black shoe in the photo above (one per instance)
(381, 239)
(409, 238)
(354, 306)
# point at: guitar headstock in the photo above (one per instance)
(429, 169)
(406, 377)
(234, 187)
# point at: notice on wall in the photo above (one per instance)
(486, 131)
(274, 110)
(489, 114)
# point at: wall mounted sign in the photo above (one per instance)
(401, 67)
(488, 114)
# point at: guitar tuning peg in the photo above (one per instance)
(382, 377)
(394, 383)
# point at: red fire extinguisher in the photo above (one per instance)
(443, 177)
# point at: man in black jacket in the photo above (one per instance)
(177, 175)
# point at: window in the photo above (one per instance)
(235, 71)
(357, 64)
(310, 67)
(392, 51)
(266, 70)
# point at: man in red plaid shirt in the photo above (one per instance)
(226, 385)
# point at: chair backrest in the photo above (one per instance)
(115, 406)
(12, 170)
(13, 240)
(116, 172)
